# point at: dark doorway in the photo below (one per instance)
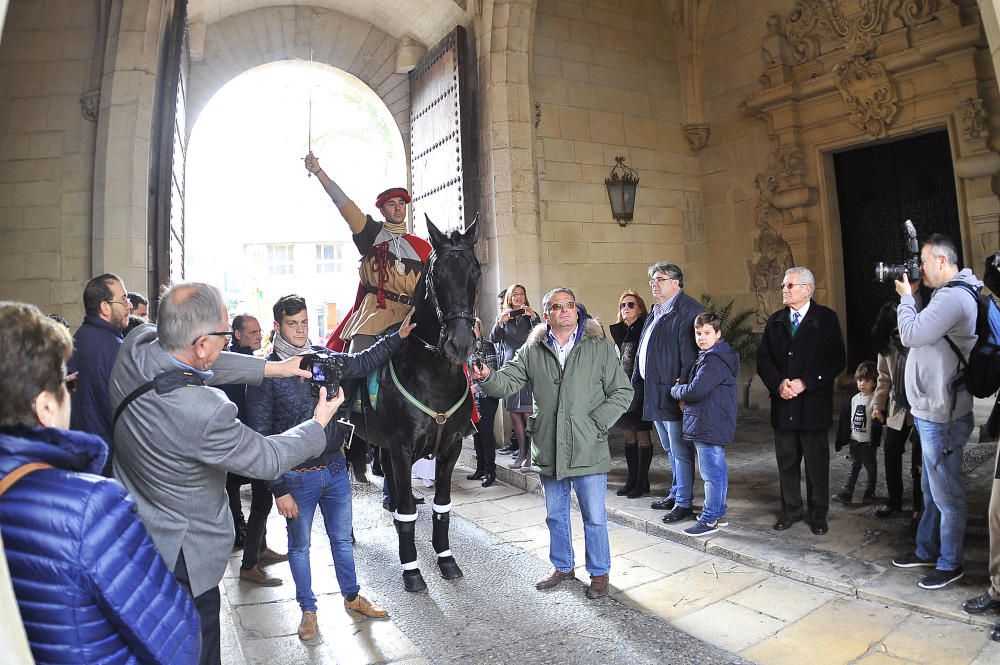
(878, 188)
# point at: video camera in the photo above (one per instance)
(885, 272)
(327, 369)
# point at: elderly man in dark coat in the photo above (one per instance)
(800, 355)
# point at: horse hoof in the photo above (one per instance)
(413, 581)
(449, 569)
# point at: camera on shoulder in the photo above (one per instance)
(893, 272)
(326, 369)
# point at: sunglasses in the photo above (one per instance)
(627, 305)
(556, 306)
(71, 380)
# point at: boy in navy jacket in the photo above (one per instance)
(709, 402)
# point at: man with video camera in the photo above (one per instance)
(940, 403)
(280, 403)
(176, 437)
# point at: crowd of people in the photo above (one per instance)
(120, 438)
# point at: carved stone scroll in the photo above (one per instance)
(973, 118)
(869, 94)
(772, 255)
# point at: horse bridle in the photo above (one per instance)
(443, 317)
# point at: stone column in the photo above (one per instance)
(122, 157)
(510, 245)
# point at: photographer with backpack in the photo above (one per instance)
(941, 404)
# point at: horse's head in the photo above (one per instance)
(452, 283)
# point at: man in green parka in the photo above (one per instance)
(579, 391)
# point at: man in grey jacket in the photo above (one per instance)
(175, 442)
(940, 403)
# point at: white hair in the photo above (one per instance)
(188, 310)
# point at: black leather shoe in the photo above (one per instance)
(995, 633)
(488, 479)
(478, 475)
(981, 604)
(666, 503)
(786, 522)
(820, 527)
(417, 499)
(678, 514)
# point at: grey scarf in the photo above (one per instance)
(286, 349)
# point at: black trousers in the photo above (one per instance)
(208, 604)
(233, 484)
(790, 448)
(261, 501)
(894, 445)
(484, 438)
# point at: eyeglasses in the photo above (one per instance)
(566, 306)
(227, 333)
(627, 305)
(789, 285)
(70, 380)
(123, 301)
(660, 280)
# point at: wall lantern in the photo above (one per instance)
(621, 185)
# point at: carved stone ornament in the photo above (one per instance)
(538, 114)
(772, 256)
(90, 104)
(697, 136)
(790, 161)
(813, 20)
(973, 118)
(869, 94)
(694, 225)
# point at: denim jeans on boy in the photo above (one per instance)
(712, 461)
(669, 430)
(590, 493)
(330, 489)
(942, 526)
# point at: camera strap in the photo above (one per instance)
(163, 383)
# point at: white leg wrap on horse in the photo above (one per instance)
(405, 518)
(441, 555)
(412, 565)
(441, 509)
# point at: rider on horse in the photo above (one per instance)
(392, 262)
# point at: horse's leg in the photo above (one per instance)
(405, 519)
(443, 468)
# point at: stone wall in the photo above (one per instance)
(46, 153)
(606, 83)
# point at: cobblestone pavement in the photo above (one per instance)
(748, 593)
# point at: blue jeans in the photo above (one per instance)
(942, 526)
(670, 431)
(330, 489)
(590, 492)
(712, 461)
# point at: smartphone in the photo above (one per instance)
(516, 313)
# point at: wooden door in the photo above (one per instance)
(878, 188)
(166, 204)
(442, 136)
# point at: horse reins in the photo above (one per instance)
(443, 318)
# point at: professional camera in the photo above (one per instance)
(326, 368)
(886, 272)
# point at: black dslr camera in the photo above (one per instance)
(327, 369)
(886, 272)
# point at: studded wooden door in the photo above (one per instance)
(166, 201)
(442, 136)
(878, 188)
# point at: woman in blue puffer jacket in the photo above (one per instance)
(89, 583)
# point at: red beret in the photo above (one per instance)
(392, 193)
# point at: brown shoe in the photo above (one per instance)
(598, 587)
(307, 627)
(554, 579)
(361, 605)
(268, 556)
(258, 575)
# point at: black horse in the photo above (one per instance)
(424, 406)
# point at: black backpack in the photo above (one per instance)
(982, 369)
